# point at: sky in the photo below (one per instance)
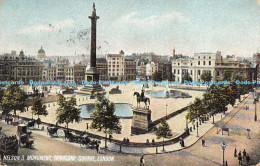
(134, 26)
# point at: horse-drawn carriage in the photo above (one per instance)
(24, 136)
(31, 123)
(52, 131)
(82, 138)
(8, 119)
(72, 136)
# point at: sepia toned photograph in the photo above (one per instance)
(129, 82)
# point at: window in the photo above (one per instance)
(113, 65)
(117, 65)
(191, 64)
(204, 57)
(210, 57)
(198, 57)
(198, 72)
(178, 71)
(204, 63)
(109, 65)
(117, 58)
(209, 62)
(113, 58)
(178, 64)
(190, 72)
(174, 71)
(198, 62)
(117, 62)
(117, 70)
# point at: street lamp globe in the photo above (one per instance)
(223, 145)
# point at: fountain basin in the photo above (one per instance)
(171, 94)
(121, 110)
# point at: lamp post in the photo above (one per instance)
(255, 110)
(223, 145)
(256, 100)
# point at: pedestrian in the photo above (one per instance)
(110, 137)
(244, 154)
(153, 141)
(247, 159)
(142, 162)
(203, 142)
(235, 153)
(124, 140)
(226, 163)
(239, 158)
(97, 147)
(87, 126)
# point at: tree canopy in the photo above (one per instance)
(186, 77)
(163, 130)
(38, 108)
(156, 76)
(206, 76)
(170, 77)
(67, 111)
(13, 99)
(104, 118)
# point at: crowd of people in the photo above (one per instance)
(242, 157)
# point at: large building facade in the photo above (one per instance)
(20, 68)
(102, 68)
(181, 66)
(130, 69)
(115, 64)
(79, 73)
(151, 68)
(212, 63)
(204, 62)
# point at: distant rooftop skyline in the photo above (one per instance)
(62, 27)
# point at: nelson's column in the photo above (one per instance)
(92, 73)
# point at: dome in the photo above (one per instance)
(41, 51)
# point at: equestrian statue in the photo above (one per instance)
(141, 98)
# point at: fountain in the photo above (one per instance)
(167, 90)
(107, 95)
(167, 94)
(121, 110)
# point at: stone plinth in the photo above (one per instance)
(141, 120)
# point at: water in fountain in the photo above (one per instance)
(107, 94)
(167, 90)
(167, 87)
